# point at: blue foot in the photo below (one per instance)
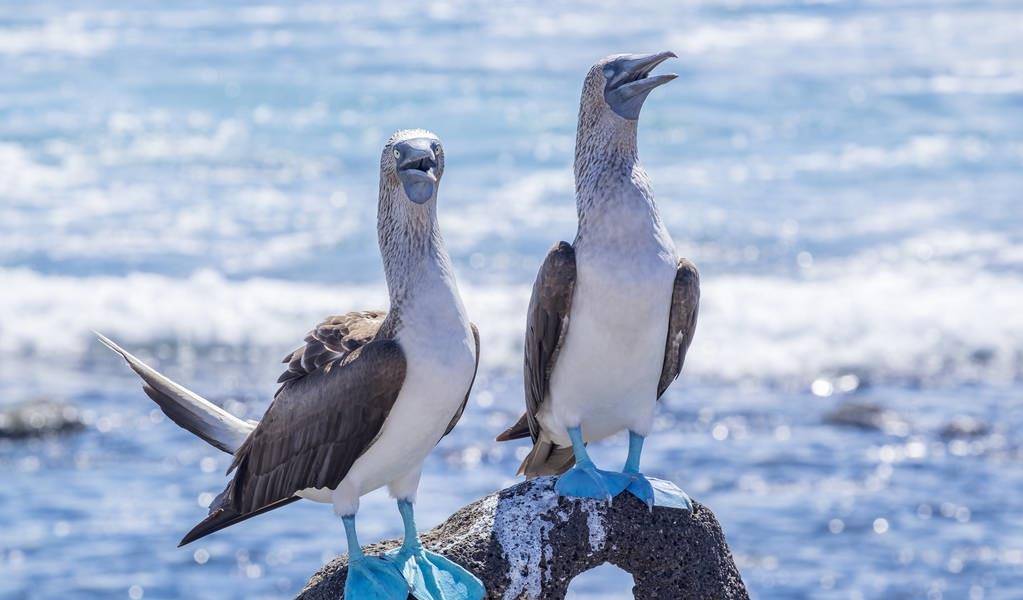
(587, 481)
(653, 492)
(658, 492)
(374, 578)
(433, 577)
(641, 488)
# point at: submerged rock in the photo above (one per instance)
(965, 427)
(865, 415)
(35, 418)
(526, 542)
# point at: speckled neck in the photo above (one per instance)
(609, 181)
(410, 241)
(603, 142)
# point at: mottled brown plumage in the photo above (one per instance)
(332, 339)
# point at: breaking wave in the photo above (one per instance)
(925, 324)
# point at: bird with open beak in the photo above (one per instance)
(613, 313)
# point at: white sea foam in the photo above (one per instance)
(136, 163)
(63, 35)
(916, 321)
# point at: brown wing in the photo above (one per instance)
(314, 430)
(685, 304)
(461, 409)
(331, 340)
(546, 327)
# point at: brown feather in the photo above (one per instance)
(517, 431)
(331, 340)
(685, 305)
(546, 327)
(324, 420)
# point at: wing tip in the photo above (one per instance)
(216, 521)
(109, 343)
(512, 433)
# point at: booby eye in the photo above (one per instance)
(396, 153)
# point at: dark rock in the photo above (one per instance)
(35, 418)
(526, 542)
(864, 415)
(965, 427)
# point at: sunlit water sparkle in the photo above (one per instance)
(198, 182)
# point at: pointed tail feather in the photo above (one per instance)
(190, 411)
(517, 431)
(547, 458)
(225, 517)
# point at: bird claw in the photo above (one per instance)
(431, 576)
(640, 487)
(664, 493)
(587, 481)
(375, 578)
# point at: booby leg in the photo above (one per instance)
(584, 480)
(370, 577)
(654, 492)
(429, 575)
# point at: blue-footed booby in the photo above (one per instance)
(364, 401)
(613, 313)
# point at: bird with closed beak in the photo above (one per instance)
(364, 401)
(613, 313)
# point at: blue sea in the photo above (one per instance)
(197, 180)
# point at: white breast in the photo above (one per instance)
(605, 379)
(440, 356)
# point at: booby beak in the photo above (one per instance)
(417, 168)
(628, 81)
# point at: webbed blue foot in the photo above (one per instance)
(429, 575)
(658, 492)
(370, 577)
(434, 577)
(587, 481)
(374, 578)
(640, 487)
(653, 492)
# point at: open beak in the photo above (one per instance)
(629, 81)
(417, 168)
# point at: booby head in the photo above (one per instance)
(415, 159)
(620, 83)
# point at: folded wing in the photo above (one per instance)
(685, 305)
(546, 326)
(316, 427)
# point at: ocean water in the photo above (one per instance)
(198, 181)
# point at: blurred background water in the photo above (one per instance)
(198, 181)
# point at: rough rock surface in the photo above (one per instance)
(36, 418)
(525, 542)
